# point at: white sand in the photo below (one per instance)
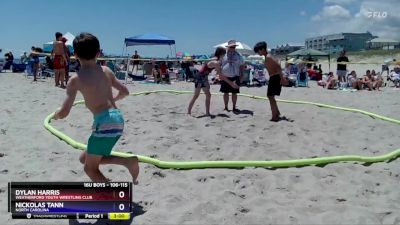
(341, 193)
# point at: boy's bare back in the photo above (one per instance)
(95, 84)
(272, 66)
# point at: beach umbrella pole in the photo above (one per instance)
(127, 64)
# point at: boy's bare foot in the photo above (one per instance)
(235, 110)
(210, 115)
(274, 119)
(132, 163)
(226, 109)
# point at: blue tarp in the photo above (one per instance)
(149, 39)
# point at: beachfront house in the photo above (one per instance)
(286, 49)
(334, 43)
(382, 43)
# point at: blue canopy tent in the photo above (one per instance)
(148, 39)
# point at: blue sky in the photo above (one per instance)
(195, 25)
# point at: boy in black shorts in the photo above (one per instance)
(276, 80)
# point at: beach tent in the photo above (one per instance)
(242, 48)
(148, 39)
(309, 52)
(48, 47)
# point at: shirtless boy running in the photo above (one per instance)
(95, 83)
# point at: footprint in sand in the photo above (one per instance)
(243, 210)
(204, 179)
(146, 203)
(173, 127)
(159, 174)
(4, 171)
(154, 156)
(254, 144)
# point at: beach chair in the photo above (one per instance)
(181, 75)
(46, 72)
(259, 78)
(28, 69)
(173, 75)
(302, 79)
(246, 77)
(110, 64)
(394, 78)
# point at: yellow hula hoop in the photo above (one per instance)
(240, 164)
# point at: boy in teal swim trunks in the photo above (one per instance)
(95, 83)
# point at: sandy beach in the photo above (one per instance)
(157, 125)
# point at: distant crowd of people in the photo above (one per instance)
(160, 71)
(371, 80)
(343, 79)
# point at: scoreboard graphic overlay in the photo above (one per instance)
(70, 200)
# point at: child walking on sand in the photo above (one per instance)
(201, 79)
(95, 83)
(276, 80)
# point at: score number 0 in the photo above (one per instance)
(121, 206)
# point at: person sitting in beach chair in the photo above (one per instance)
(293, 68)
(377, 77)
(110, 64)
(367, 81)
(246, 76)
(302, 78)
(259, 78)
(156, 74)
(164, 73)
(47, 69)
(330, 83)
(371, 82)
(49, 63)
(394, 76)
(353, 81)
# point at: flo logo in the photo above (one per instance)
(377, 14)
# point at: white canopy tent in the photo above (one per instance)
(241, 47)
